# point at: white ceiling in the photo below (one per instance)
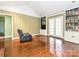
(42, 8)
(46, 8)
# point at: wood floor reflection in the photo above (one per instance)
(37, 48)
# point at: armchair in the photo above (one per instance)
(24, 36)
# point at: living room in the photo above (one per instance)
(39, 28)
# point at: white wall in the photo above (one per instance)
(43, 31)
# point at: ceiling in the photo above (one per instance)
(44, 8)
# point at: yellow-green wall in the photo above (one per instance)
(27, 23)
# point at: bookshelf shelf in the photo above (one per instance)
(72, 20)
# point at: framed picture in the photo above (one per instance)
(43, 23)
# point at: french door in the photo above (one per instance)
(56, 26)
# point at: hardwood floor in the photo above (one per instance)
(29, 49)
(37, 48)
(71, 49)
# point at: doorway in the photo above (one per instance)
(5, 33)
(5, 26)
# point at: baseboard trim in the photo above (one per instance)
(5, 37)
(72, 42)
(18, 37)
(35, 34)
(15, 38)
(8, 37)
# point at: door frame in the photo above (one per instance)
(11, 19)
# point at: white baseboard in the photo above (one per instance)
(18, 37)
(15, 38)
(35, 34)
(8, 37)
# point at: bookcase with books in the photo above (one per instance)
(72, 20)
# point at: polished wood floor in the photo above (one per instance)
(37, 48)
(71, 49)
(28, 49)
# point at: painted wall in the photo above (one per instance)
(26, 23)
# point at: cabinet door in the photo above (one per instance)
(72, 36)
(8, 26)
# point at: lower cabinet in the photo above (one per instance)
(72, 36)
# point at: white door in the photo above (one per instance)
(55, 27)
(51, 32)
(59, 26)
(51, 26)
